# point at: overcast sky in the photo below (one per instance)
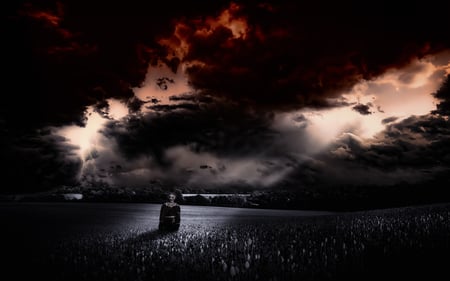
(259, 95)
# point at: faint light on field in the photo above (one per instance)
(214, 194)
(73, 196)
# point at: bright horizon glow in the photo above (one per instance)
(398, 93)
(87, 137)
(84, 137)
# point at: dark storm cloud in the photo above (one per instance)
(443, 94)
(37, 162)
(379, 109)
(134, 104)
(54, 72)
(295, 55)
(300, 118)
(62, 56)
(219, 128)
(214, 144)
(416, 142)
(413, 151)
(192, 98)
(389, 120)
(66, 55)
(363, 109)
(167, 107)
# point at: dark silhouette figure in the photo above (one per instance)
(169, 217)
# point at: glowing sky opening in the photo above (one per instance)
(152, 93)
(398, 93)
(117, 109)
(84, 137)
(87, 137)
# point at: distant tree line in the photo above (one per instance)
(332, 198)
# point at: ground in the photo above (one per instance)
(106, 241)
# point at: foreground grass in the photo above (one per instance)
(404, 242)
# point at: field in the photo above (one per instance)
(89, 241)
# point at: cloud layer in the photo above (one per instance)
(280, 94)
(285, 55)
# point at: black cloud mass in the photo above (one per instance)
(255, 71)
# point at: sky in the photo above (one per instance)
(243, 95)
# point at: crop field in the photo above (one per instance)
(121, 242)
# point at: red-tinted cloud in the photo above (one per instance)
(292, 55)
